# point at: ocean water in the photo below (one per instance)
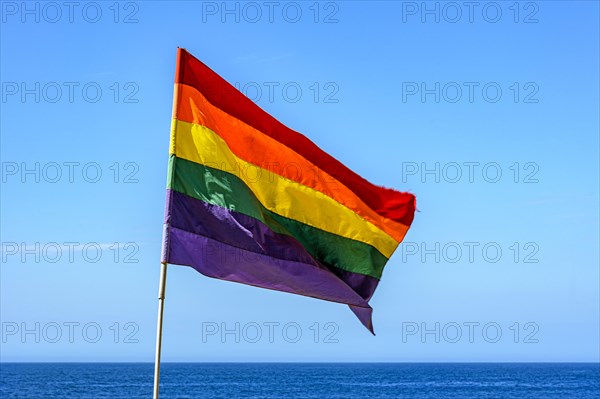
(301, 380)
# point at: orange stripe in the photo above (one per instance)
(261, 150)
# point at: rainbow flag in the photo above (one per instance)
(252, 201)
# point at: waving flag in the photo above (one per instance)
(251, 201)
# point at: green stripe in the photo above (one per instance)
(228, 191)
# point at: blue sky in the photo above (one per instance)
(490, 115)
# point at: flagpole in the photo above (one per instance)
(164, 256)
(161, 307)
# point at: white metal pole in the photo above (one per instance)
(161, 306)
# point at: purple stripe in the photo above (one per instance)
(361, 284)
(222, 261)
(245, 232)
(164, 256)
(234, 228)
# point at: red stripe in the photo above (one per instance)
(388, 203)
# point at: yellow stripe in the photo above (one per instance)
(280, 195)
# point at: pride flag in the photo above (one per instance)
(252, 201)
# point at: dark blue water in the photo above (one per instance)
(301, 380)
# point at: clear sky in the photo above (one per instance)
(487, 111)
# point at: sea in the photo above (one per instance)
(302, 380)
